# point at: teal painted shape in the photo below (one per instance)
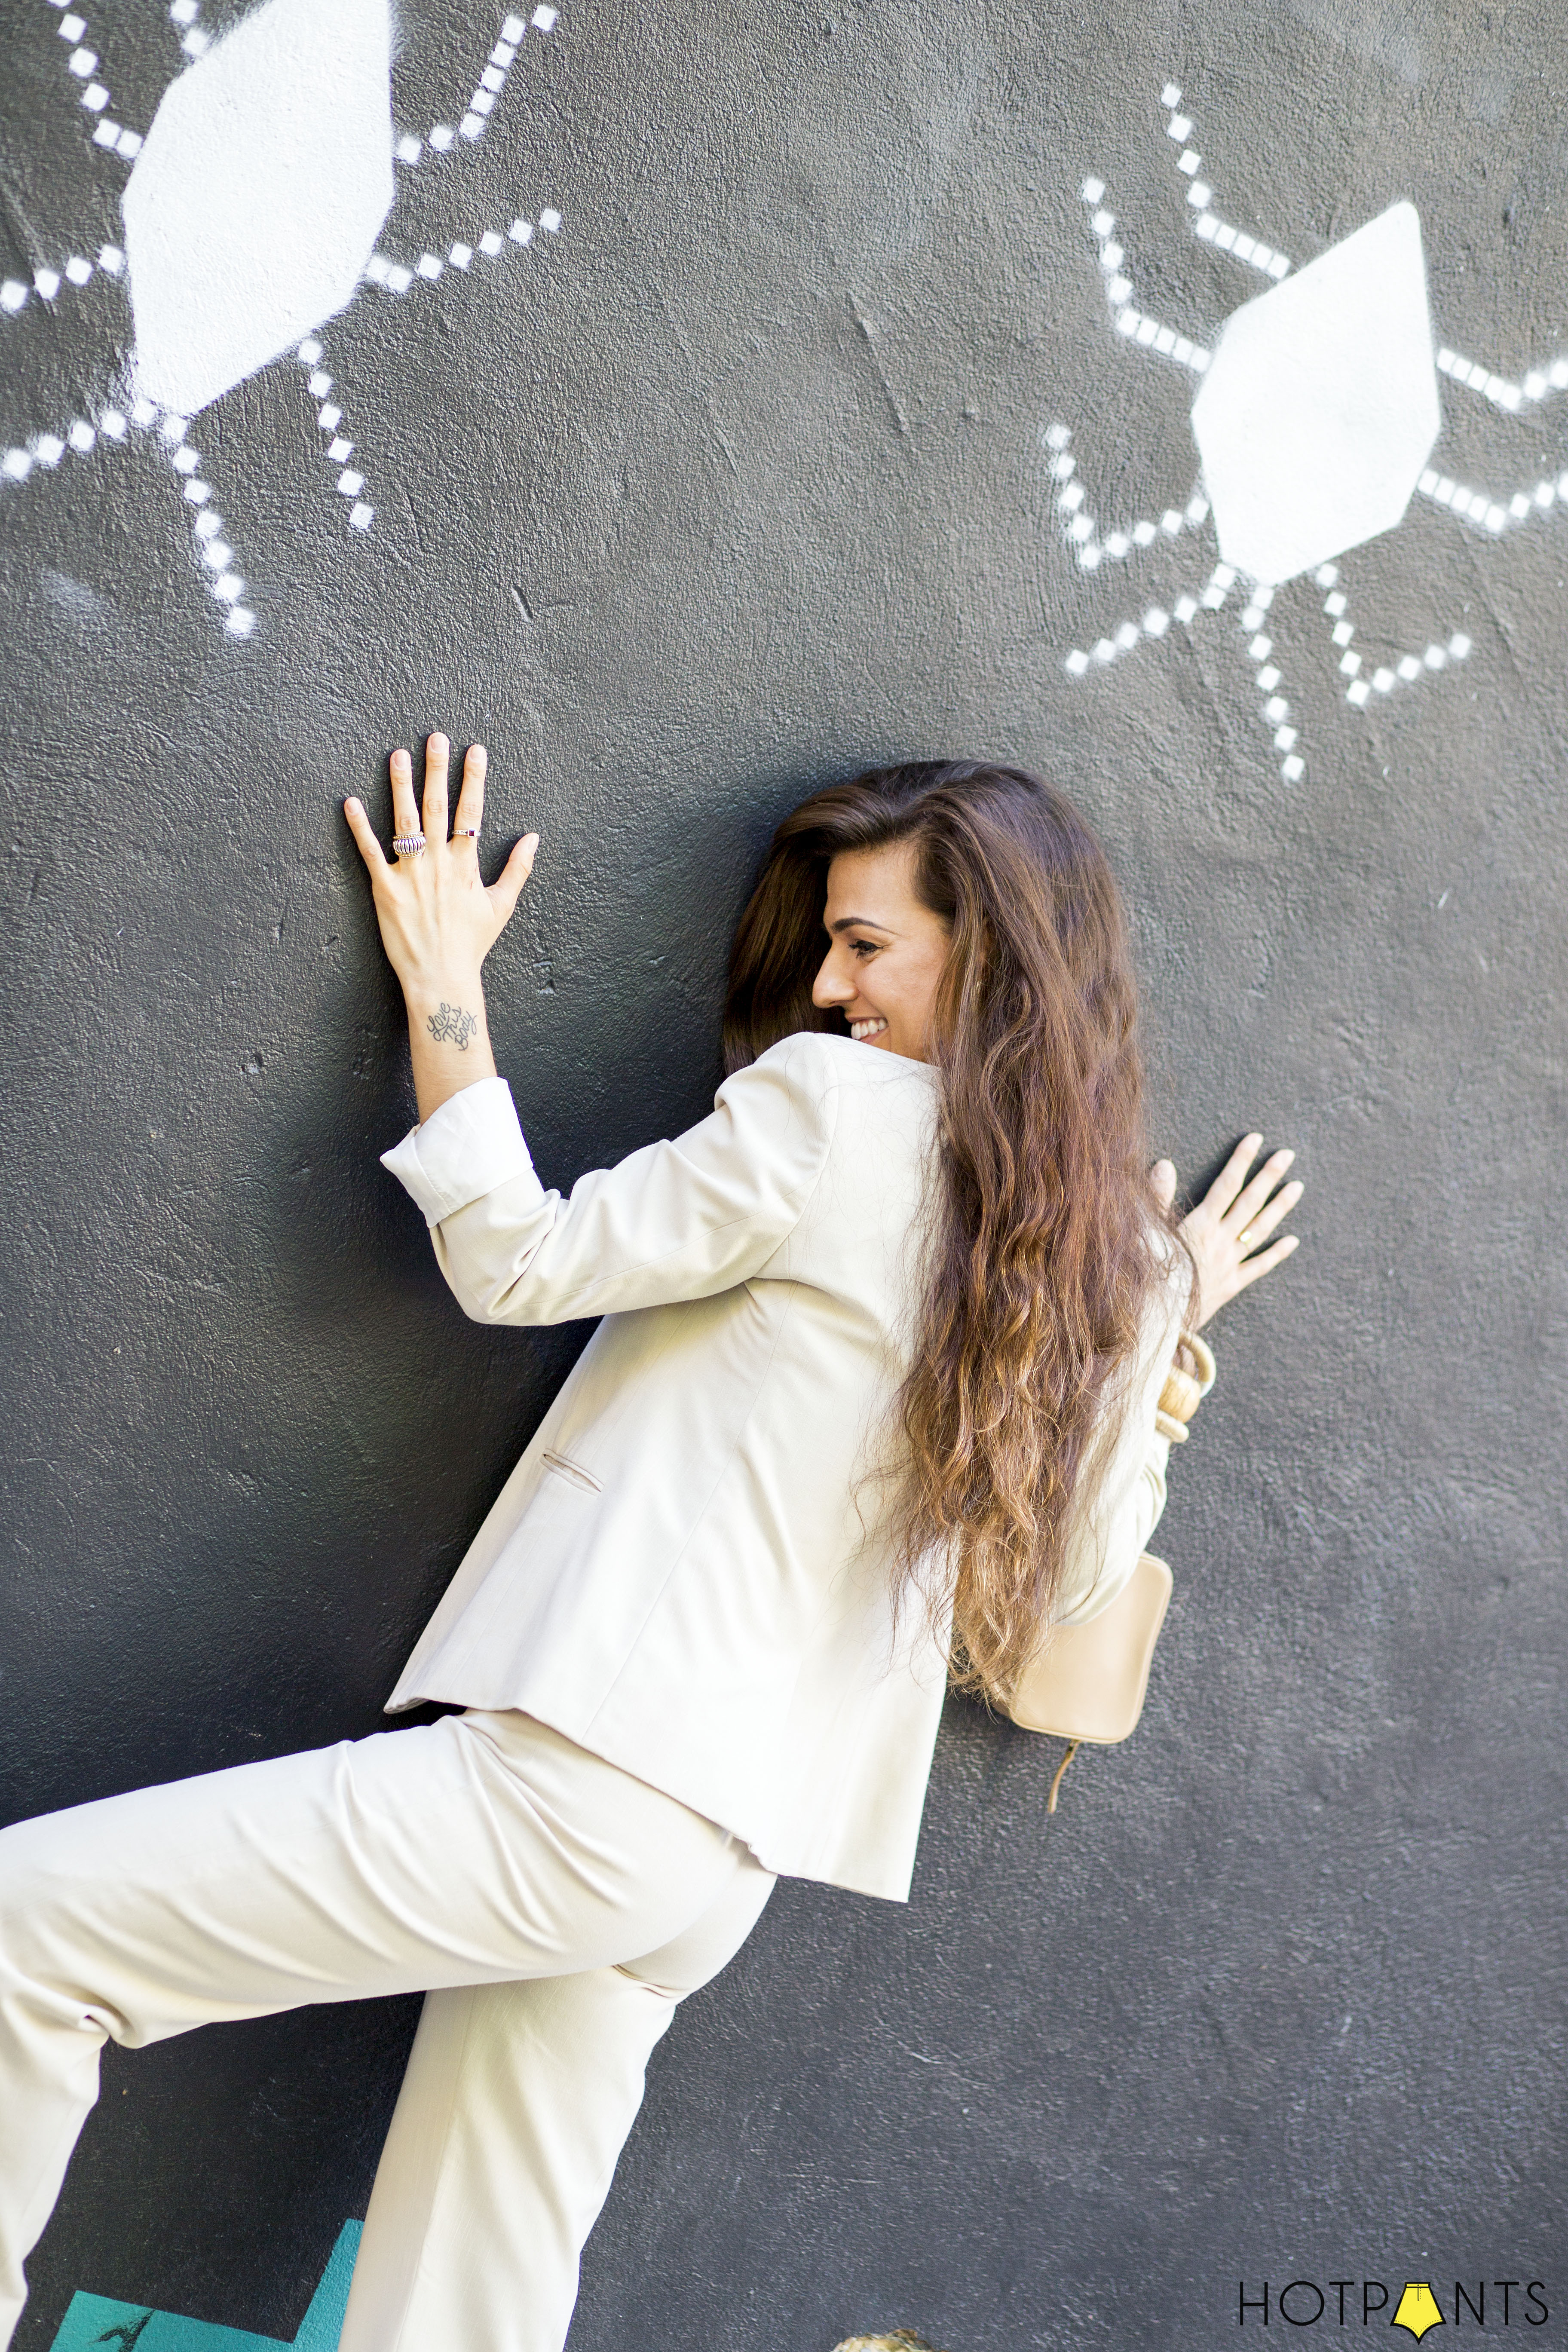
(95, 2320)
(323, 2323)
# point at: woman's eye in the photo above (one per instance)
(864, 947)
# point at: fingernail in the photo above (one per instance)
(1283, 1158)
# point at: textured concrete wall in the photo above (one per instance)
(735, 484)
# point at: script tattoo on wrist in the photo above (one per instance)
(451, 1025)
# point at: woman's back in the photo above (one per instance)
(686, 1573)
(683, 1573)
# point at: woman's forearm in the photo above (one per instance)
(448, 1039)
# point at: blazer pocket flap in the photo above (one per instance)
(573, 1471)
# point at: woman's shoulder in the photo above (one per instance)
(823, 1094)
(821, 1059)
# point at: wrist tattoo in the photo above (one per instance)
(452, 1025)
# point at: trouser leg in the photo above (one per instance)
(513, 2115)
(478, 1850)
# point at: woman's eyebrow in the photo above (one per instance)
(858, 923)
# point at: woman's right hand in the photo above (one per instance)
(1236, 1213)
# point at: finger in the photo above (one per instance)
(1232, 1176)
(1259, 1228)
(507, 889)
(405, 808)
(436, 752)
(1266, 1261)
(471, 799)
(1162, 1180)
(1252, 1197)
(364, 831)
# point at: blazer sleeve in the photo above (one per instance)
(1114, 1527)
(683, 1219)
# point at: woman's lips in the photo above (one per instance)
(861, 1031)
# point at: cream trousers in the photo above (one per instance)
(555, 1908)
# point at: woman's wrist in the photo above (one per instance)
(461, 991)
(1187, 1383)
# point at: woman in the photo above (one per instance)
(874, 1394)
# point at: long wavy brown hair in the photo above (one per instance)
(1044, 1245)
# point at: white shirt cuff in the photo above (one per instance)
(464, 1150)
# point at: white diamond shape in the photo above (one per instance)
(1319, 407)
(258, 195)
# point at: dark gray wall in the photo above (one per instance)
(736, 488)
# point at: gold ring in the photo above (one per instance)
(1243, 1240)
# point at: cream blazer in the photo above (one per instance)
(686, 1573)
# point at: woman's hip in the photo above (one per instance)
(474, 1850)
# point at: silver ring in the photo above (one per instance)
(466, 832)
(409, 844)
(1243, 1240)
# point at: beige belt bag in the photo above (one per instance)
(1087, 1682)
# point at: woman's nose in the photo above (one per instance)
(830, 987)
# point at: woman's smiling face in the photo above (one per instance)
(887, 950)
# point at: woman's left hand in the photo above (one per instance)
(438, 922)
(1236, 1214)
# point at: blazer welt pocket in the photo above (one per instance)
(572, 1472)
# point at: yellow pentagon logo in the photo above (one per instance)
(1417, 2310)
